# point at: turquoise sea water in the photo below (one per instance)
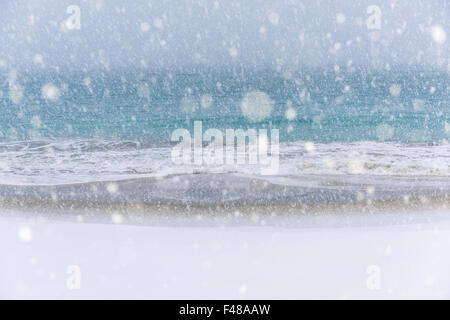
(70, 127)
(148, 106)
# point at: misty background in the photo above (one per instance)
(285, 35)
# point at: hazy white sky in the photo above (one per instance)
(284, 34)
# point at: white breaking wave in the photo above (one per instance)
(67, 162)
(372, 158)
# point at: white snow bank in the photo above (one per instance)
(122, 261)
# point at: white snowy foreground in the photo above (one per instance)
(55, 258)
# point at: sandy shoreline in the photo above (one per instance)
(379, 212)
(236, 189)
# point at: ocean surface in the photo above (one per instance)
(63, 128)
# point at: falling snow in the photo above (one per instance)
(256, 105)
(328, 124)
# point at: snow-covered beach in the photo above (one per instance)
(380, 254)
